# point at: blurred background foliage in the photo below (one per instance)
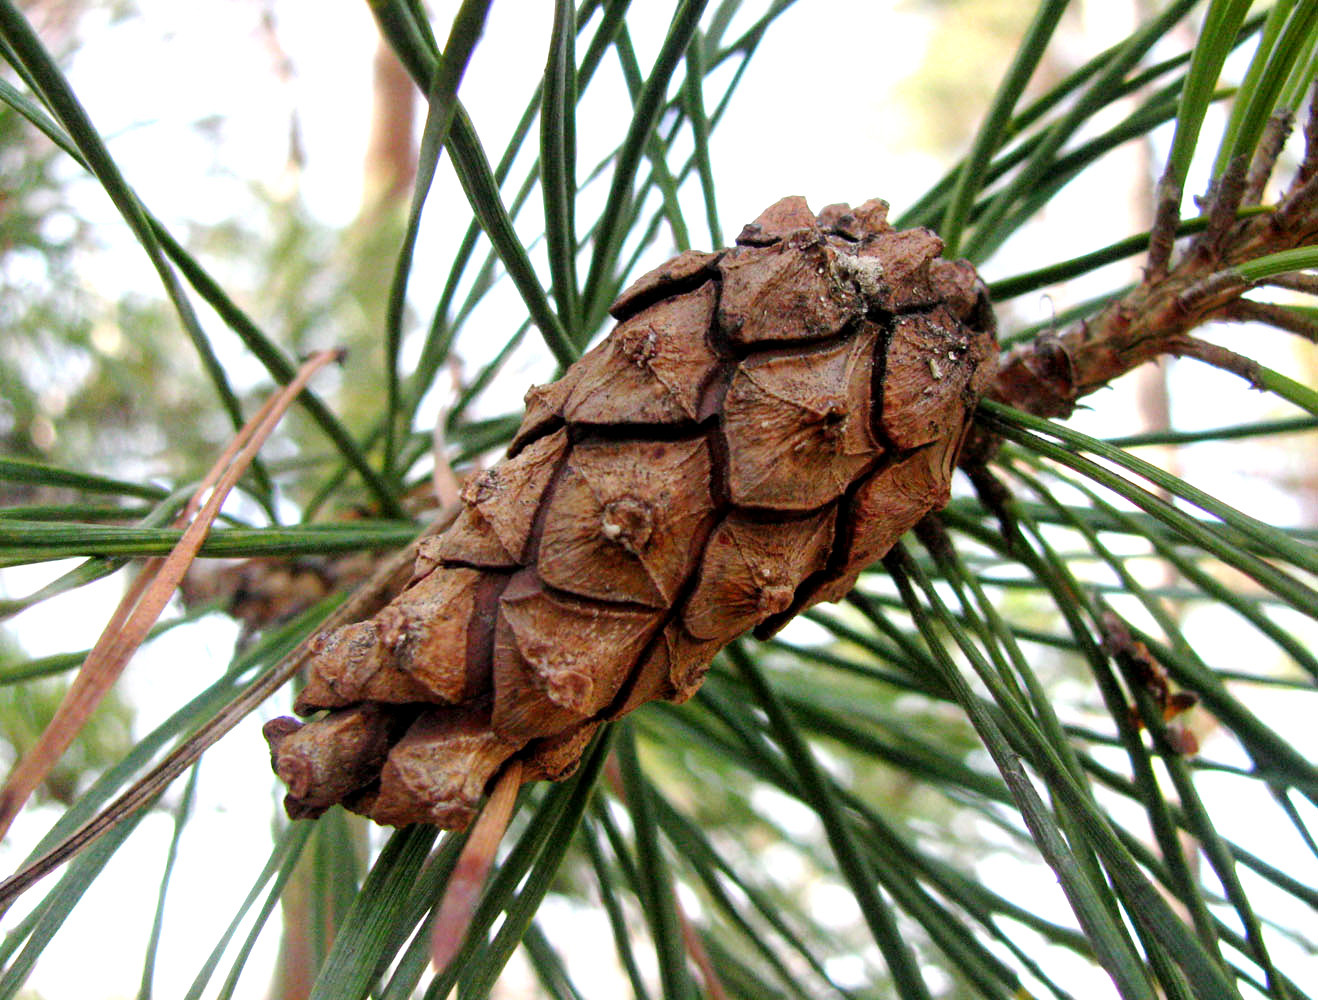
(824, 819)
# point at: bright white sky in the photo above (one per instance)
(146, 81)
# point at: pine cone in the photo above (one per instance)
(762, 424)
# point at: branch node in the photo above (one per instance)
(1038, 377)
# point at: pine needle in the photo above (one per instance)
(146, 599)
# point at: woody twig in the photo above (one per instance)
(1050, 375)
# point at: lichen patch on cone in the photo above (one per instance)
(764, 422)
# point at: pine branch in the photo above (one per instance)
(1050, 374)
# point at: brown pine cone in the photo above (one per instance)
(762, 424)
